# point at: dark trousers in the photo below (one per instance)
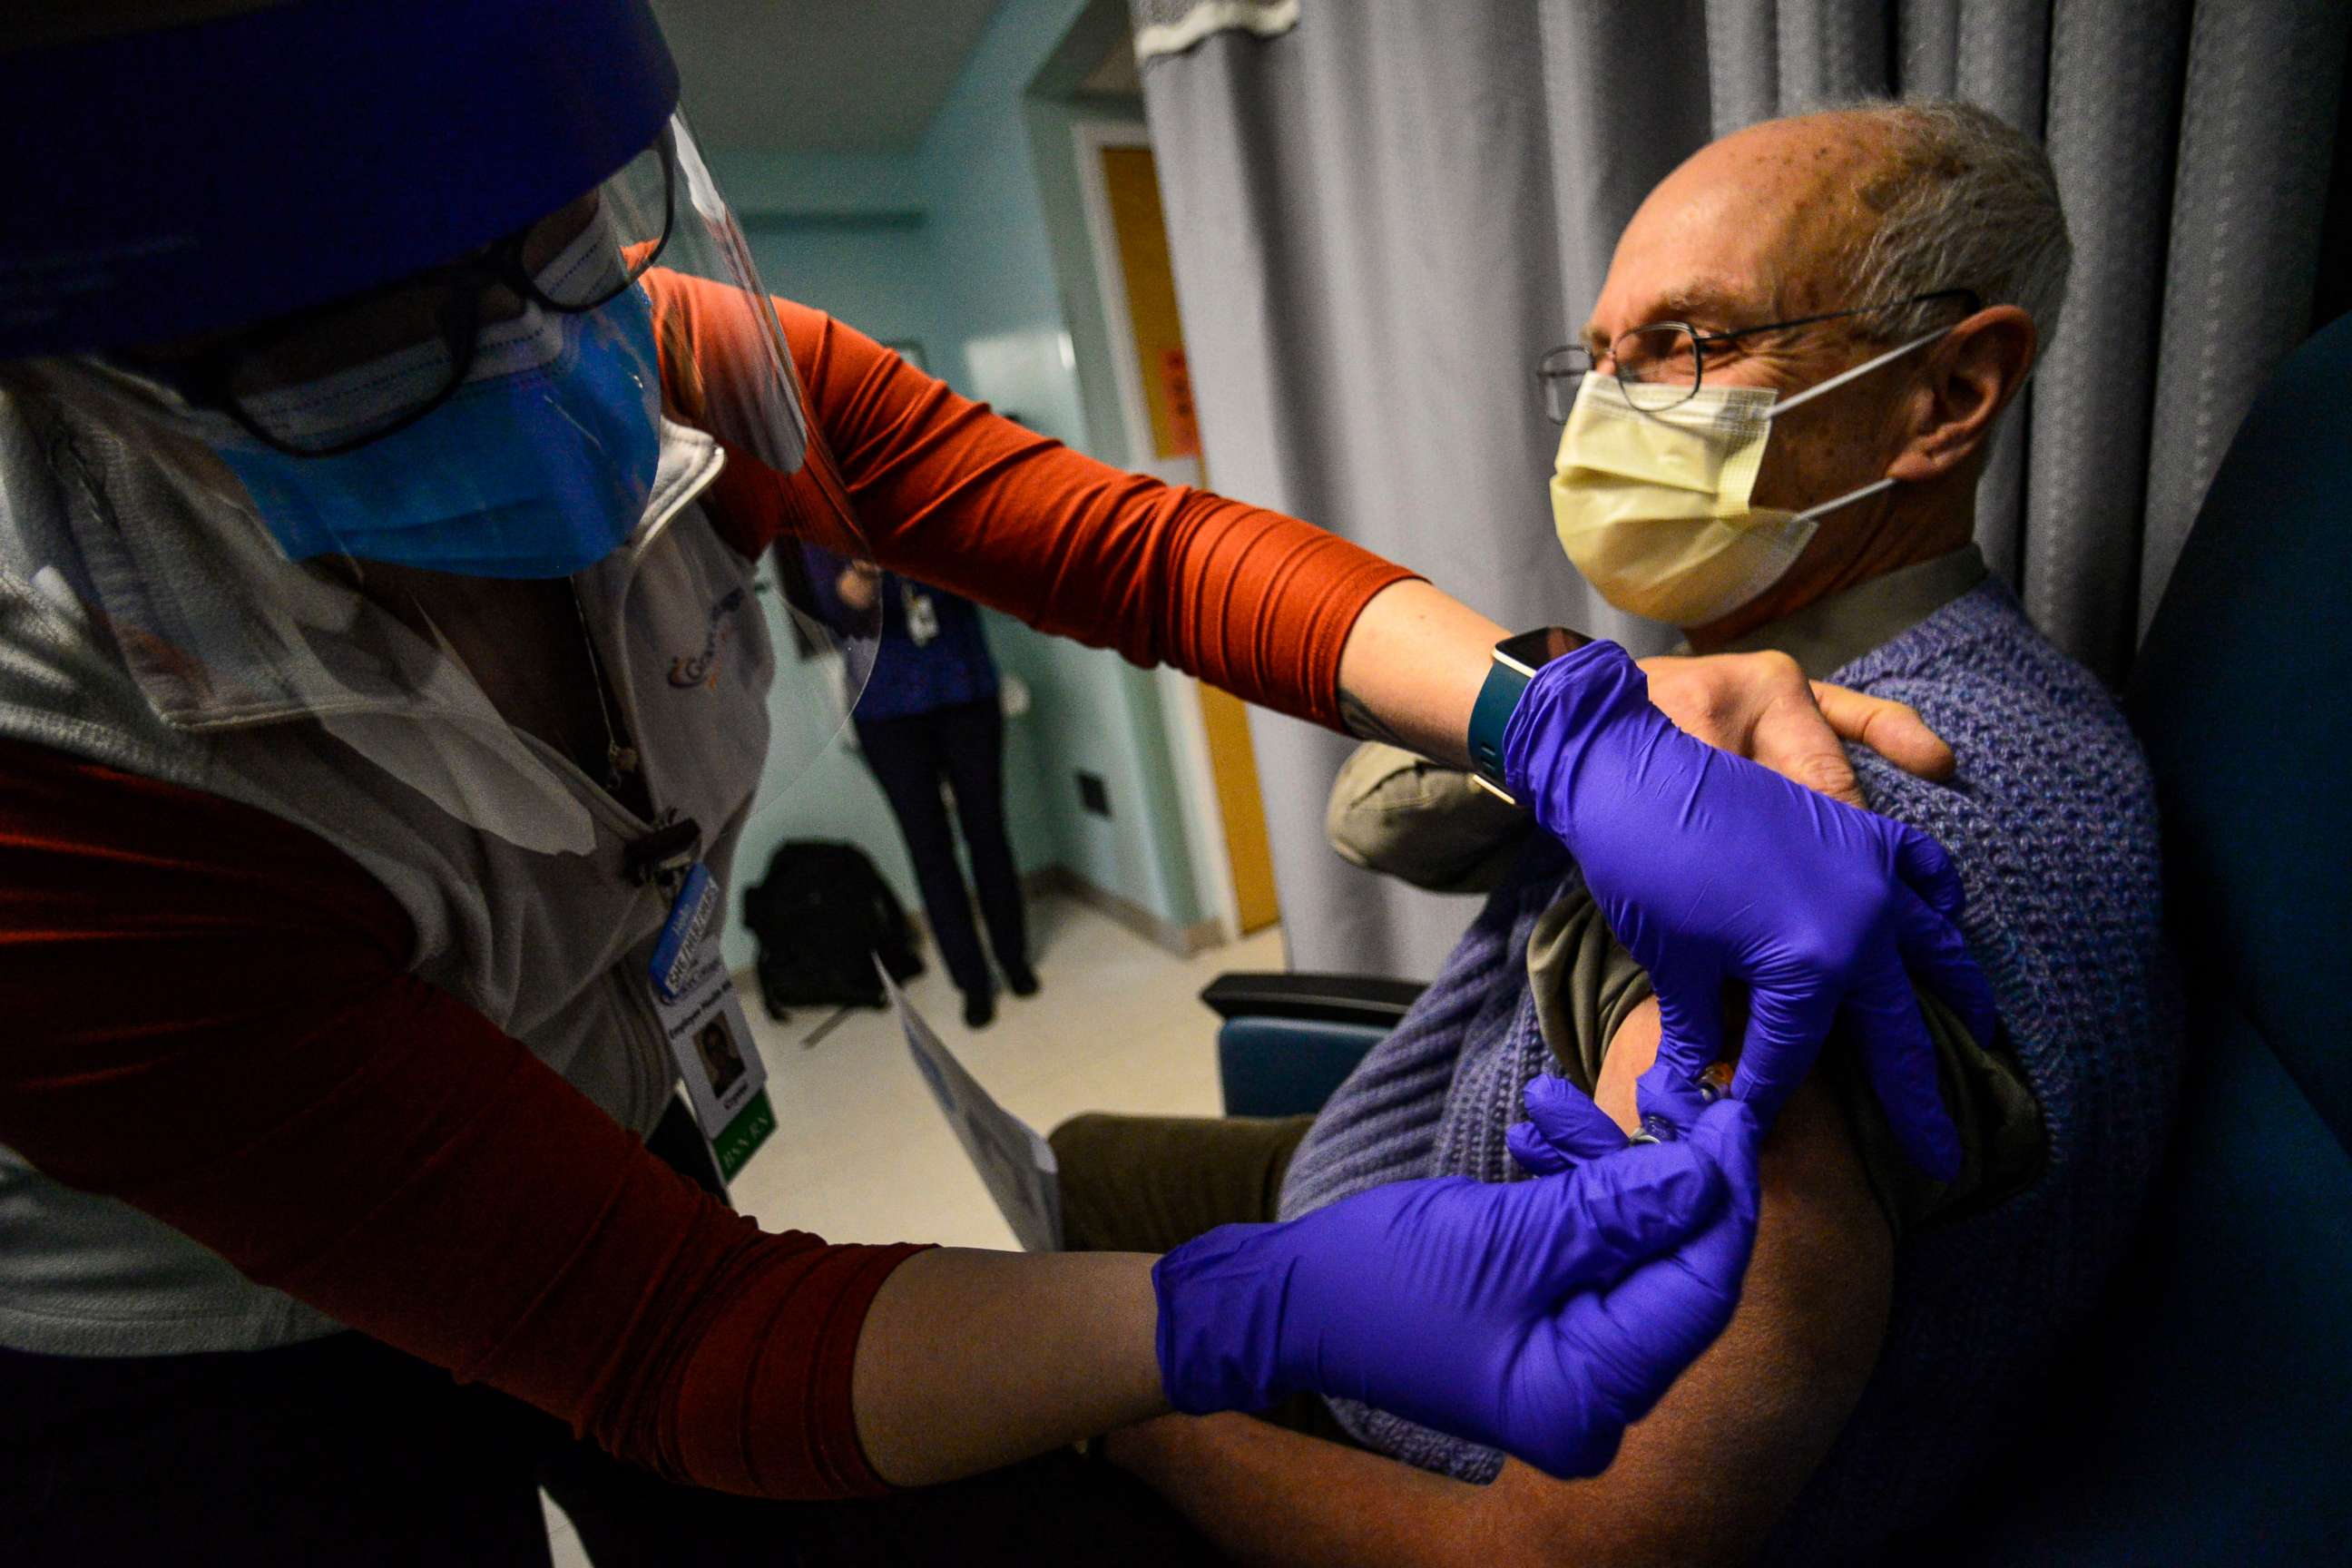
(962, 747)
(344, 1451)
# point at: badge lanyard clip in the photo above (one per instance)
(694, 998)
(665, 856)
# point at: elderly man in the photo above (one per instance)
(1773, 434)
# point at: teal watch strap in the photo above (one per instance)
(1498, 698)
(1517, 659)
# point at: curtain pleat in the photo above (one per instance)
(2112, 124)
(1829, 50)
(2257, 124)
(1927, 46)
(1743, 59)
(1999, 49)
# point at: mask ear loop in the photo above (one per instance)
(1842, 377)
(1864, 368)
(1811, 512)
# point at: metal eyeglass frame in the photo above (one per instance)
(1550, 375)
(209, 379)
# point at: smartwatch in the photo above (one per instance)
(1517, 659)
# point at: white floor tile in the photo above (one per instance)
(860, 1152)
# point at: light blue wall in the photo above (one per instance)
(968, 246)
(819, 185)
(980, 196)
(997, 194)
(839, 234)
(875, 273)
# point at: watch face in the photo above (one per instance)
(1530, 651)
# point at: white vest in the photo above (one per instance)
(550, 942)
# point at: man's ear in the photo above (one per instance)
(1971, 375)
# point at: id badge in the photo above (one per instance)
(695, 997)
(922, 616)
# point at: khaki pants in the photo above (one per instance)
(1146, 1184)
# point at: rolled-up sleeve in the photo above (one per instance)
(1401, 814)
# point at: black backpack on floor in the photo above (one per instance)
(821, 917)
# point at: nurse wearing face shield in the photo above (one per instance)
(387, 404)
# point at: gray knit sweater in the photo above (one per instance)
(2051, 821)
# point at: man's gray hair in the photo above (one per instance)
(1964, 200)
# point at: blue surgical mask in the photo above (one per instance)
(537, 465)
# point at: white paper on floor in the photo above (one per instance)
(1015, 1164)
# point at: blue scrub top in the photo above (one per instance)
(932, 654)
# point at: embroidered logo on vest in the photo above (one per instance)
(702, 670)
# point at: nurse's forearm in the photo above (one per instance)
(971, 1360)
(1412, 668)
(1412, 664)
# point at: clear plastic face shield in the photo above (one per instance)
(289, 518)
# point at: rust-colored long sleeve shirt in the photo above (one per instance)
(206, 1013)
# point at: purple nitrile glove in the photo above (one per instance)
(1564, 1128)
(1698, 1282)
(1539, 1317)
(1710, 868)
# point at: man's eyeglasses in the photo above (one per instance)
(445, 307)
(1663, 364)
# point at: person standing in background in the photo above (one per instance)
(929, 714)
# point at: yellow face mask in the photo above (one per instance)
(1652, 507)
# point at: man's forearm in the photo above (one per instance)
(971, 1360)
(1267, 1495)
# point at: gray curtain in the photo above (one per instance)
(1382, 211)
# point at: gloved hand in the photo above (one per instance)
(1564, 1128)
(1539, 1317)
(1710, 868)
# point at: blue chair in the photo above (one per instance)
(1288, 1039)
(2206, 1417)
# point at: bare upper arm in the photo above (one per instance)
(1705, 1475)
(1701, 1481)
